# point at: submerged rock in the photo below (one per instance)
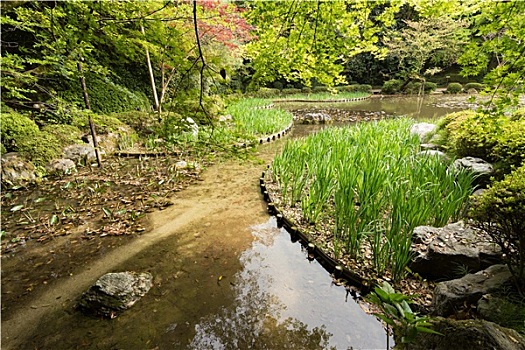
(451, 296)
(452, 250)
(468, 334)
(115, 292)
(316, 118)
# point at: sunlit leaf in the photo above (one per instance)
(17, 207)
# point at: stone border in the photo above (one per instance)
(323, 101)
(332, 266)
(275, 136)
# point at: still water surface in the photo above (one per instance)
(286, 302)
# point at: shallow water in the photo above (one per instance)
(283, 301)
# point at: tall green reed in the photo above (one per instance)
(372, 179)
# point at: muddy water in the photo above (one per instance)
(224, 278)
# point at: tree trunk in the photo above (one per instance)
(88, 106)
(151, 77)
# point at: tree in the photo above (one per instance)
(426, 45)
(313, 40)
(498, 48)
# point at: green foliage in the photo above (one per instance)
(291, 91)
(65, 134)
(103, 123)
(16, 127)
(391, 87)
(415, 87)
(257, 122)
(355, 88)
(518, 114)
(314, 39)
(395, 311)
(425, 46)
(142, 122)
(477, 86)
(499, 34)
(496, 139)
(40, 148)
(454, 88)
(499, 211)
(106, 97)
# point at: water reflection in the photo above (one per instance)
(430, 106)
(283, 302)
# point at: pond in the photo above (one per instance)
(225, 277)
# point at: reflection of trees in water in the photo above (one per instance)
(253, 322)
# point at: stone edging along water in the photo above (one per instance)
(283, 100)
(330, 264)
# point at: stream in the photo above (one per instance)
(225, 276)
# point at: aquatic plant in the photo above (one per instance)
(251, 118)
(375, 184)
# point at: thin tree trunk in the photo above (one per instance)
(151, 77)
(88, 106)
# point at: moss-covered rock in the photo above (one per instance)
(65, 134)
(16, 128)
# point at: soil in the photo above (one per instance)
(123, 217)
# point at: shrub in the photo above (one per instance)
(291, 91)
(430, 86)
(454, 88)
(355, 88)
(499, 211)
(518, 114)
(15, 127)
(472, 134)
(107, 97)
(476, 86)
(40, 148)
(306, 90)
(496, 139)
(103, 123)
(139, 121)
(267, 92)
(391, 87)
(65, 134)
(320, 89)
(509, 148)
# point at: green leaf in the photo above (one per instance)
(53, 220)
(387, 320)
(107, 212)
(17, 207)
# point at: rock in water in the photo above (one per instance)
(115, 292)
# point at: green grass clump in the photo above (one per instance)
(253, 120)
(372, 180)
